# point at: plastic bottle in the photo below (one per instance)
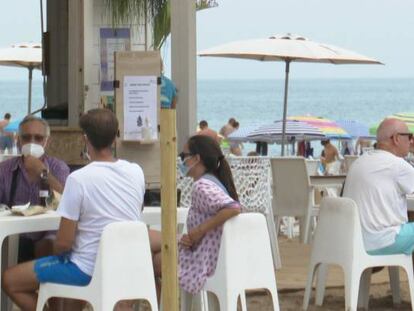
(146, 130)
(44, 188)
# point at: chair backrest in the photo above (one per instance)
(349, 159)
(124, 261)
(185, 184)
(312, 166)
(291, 186)
(245, 256)
(338, 236)
(252, 178)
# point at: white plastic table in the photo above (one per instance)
(327, 180)
(151, 215)
(10, 225)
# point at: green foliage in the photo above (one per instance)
(156, 11)
(129, 11)
(162, 26)
(162, 22)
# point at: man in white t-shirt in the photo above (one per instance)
(378, 182)
(105, 191)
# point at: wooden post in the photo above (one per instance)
(168, 142)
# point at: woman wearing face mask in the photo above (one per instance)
(214, 200)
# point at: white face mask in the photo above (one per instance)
(32, 149)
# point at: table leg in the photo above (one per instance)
(8, 255)
(4, 249)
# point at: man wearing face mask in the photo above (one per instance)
(20, 177)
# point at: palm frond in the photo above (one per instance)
(129, 11)
(162, 26)
(162, 21)
(205, 4)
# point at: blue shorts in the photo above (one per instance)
(6, 142)
(404, 242)
(60, 270)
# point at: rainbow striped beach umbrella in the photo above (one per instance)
(328, 127)
(407, 117)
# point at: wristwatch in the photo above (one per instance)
(44, 172)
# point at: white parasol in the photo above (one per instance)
(26, 55)
(287, 48)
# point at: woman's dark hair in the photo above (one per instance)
(213, 160)
(100, 126)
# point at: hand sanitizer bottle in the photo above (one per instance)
(146, 130)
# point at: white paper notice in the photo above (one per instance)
(140, 108)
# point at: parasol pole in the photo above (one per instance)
(285, 105)
(29, 102)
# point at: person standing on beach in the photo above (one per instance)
(206, 131)
(330, 154)
(361, 144)
(236, 147)
(228, 128)
(106, 190)
(378, 182)
(6, 139)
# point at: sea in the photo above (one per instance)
(255, 102)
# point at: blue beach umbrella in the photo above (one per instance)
(355, 129)
(13, 126)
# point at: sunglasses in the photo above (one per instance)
(184, 155)
(29, 137)
(409, 135)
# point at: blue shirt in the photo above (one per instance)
(168, 92)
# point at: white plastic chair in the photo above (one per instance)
(312, 166)
(338, 240)
(244, 262)
(123, 271)
(253, 178)
(293, 194)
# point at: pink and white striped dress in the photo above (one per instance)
(197, 264)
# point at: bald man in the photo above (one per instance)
(378, 182)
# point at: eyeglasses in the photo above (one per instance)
(29, 137)
(409, 135)
(184, 155)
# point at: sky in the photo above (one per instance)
(381, 29)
